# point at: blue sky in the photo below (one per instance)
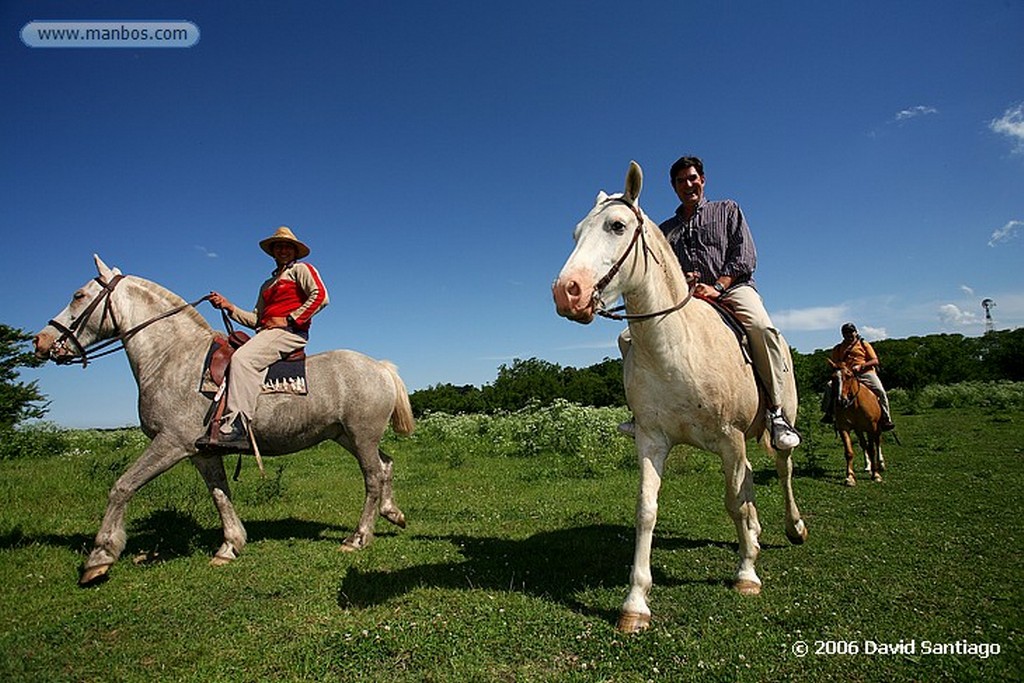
(436, 157)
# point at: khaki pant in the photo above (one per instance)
(249, 368)
(768, 348)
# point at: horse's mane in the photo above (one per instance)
(166, 300)
(666, 257)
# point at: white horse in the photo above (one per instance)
(351, 400)
(685, 376)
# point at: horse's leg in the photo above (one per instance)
(367, 453)
(875, 446)
(635, 614)
(161, 454)
(211, 467)
(388, 508)
(739, 502)
(796, 530)
(851, 480)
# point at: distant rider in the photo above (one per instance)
(858, 355)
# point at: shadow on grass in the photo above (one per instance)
(560, 566)
(169, 533)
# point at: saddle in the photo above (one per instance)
(733, 323)
(287, 375)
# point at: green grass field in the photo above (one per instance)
(514, 564)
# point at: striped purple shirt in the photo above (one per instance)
(715, 241)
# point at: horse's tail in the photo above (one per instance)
(401, 417)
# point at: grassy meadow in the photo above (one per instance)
(516, 559)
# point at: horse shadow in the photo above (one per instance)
(167, 534)
(559, 566)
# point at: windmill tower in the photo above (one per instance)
(988, 305)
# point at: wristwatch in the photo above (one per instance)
(719, 288)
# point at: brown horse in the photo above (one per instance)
(857, 410)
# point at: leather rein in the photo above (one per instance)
(104, 347)
(638, 237)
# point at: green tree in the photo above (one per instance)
(18, 400)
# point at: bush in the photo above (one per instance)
(1001, 395)
(38, 440)
(586, 435)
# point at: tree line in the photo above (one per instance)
(911, 364)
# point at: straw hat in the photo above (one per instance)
(284, 234)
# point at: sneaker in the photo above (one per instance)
(784, 437)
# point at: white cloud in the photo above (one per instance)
(967, 290)
(206, 252)
(873, 333)
(817, 318)
(1005, 233)
(914, 112)
(951, 314)
(1012, 125)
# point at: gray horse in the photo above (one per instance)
(351, 400)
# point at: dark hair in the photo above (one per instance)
(685, 162)
(849, 327)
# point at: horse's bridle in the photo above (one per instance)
(638, 237)
(82, 353)
(841, 398)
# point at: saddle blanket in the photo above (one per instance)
(283, 377)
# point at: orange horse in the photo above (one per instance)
(857, 410)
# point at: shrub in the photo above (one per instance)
(563, 429)
(38, 440)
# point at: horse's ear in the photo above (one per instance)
(634, 181)
(601, 197)
(106, 274)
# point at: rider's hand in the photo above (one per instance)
(219, 302)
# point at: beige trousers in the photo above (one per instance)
(249, 368)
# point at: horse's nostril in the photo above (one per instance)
(573, 288)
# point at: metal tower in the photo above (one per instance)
(988, 305)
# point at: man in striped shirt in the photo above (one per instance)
(713, 243)
(287, 302)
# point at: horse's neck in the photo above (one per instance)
(170, 339)
(659, 284)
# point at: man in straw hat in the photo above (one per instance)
(287, 302)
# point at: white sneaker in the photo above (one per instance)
(784, 437)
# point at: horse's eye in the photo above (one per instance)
(78, 296)
(618, 227)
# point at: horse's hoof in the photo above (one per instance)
(348, 547)
(94, 575)
(747, 587)
(224, 556)
(850, 481)
(396, 517)
(797, 536)
(631, 622)
(876, 477)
